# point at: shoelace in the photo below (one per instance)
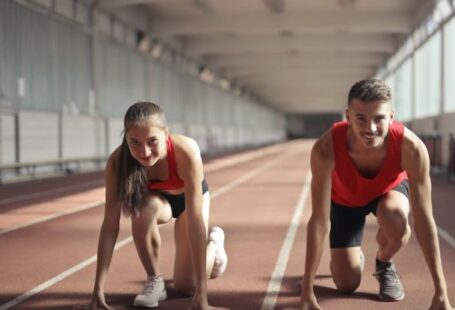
(149, 286)
(388, 274)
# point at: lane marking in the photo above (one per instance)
(249, 175)
(87, 206)
(446, 236)
(60, 277)
(129, 239)
(277, 275)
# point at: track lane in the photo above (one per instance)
(255, 216)
(410, 263)
(44, 300)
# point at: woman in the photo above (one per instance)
(155, 176)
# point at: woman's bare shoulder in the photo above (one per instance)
(186, 145)
(112, 160)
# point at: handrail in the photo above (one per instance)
(451, 166)
(433, 142)
(19, 165)
(28, 170)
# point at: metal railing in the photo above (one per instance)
(433, 142)
(451, 165)
(66, 166)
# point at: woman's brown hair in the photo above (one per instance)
(131, 175)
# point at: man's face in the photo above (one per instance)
(370, 121)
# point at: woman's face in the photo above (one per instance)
(147, 142)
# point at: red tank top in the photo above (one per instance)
(349, 187)
(173, 181)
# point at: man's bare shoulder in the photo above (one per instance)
(323, 147)
(414, 153)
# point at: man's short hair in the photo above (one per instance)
(370, 90)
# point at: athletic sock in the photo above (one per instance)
(381, 264)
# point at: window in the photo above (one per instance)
(428, 77)
(449, 66)
(402, 97)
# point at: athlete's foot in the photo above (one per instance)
(390, 287)
(216, 235)
(153, 292)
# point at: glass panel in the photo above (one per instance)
(428, 77)
(449, 65)
(402, 97)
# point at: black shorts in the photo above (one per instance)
(177, 202)
(347, 223)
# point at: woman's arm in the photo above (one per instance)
(190, 170)
(108, 234)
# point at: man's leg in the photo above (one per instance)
(346, 266)
(346, 234)
(393, 233)
(394, 230)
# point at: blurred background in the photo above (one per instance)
(232, 74)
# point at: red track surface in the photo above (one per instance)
(255, 211)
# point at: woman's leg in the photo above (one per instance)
(145, 231)
(184, 277)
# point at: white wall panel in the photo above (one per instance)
(7, 139)
(38, 136)
(115, 134)
(82, 136)
(199, 133)
(177, 127)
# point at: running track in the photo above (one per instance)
(49, 231)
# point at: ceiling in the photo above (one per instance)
(301, 56)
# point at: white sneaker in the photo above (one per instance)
(216, 234)
(153, 292)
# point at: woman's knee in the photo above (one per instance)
(153, 204)
(150, 210)
(184, 286)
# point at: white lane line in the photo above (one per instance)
(249, 175)
(60, 277)
(45, 193)
(53, 216)
(277, 275)
(446, 236)
(129, 239)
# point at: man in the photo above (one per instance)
(370, 163)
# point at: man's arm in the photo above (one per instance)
(322, 164)
(416, 163)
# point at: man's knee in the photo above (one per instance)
(347, 285)
(346, 278)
